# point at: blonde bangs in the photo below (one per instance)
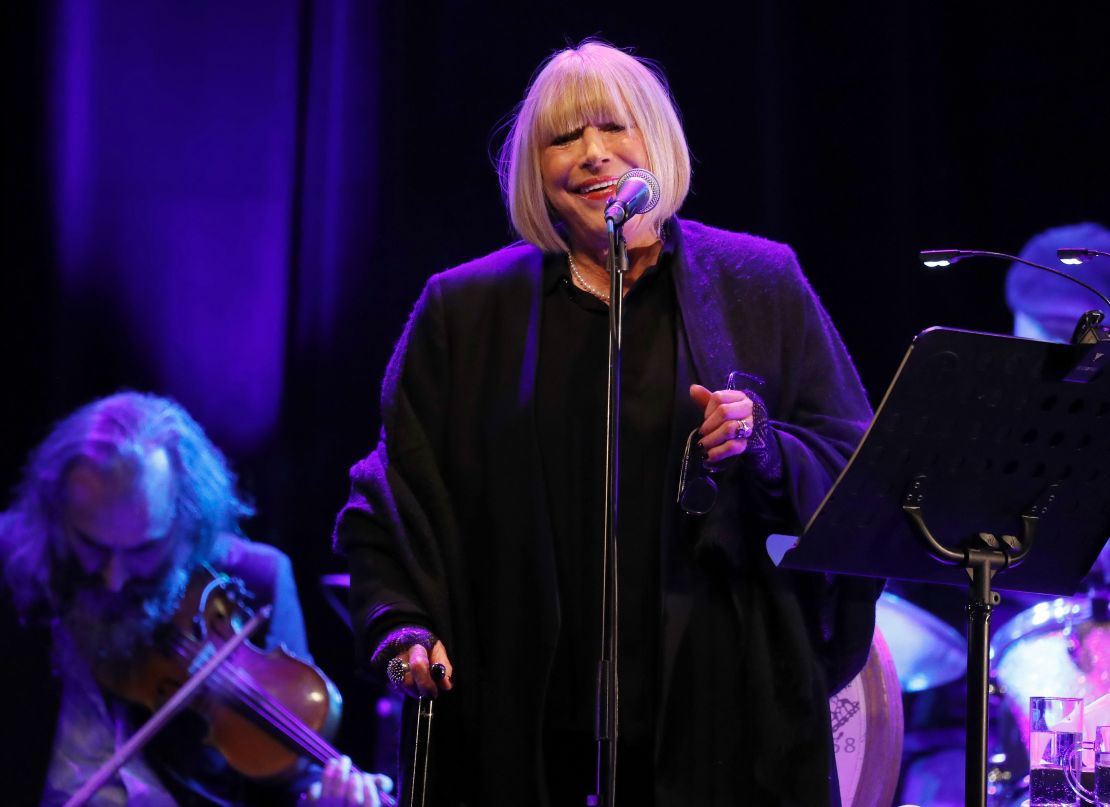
(594, 83)
(572, 98)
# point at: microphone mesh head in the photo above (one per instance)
(648, 179)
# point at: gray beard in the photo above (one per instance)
(110, 627)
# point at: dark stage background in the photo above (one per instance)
(237, 203)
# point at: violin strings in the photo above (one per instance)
(238, 682)
(279, 715)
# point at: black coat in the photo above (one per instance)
(447, 525)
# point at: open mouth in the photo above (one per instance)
(601, 188)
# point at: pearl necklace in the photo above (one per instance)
(584, 283)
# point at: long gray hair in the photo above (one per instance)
(121, 429)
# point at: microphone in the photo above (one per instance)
(637, 192)
(936, 258)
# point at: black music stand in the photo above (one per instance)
(982, 445)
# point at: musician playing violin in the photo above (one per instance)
(118, 507)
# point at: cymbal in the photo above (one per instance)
(927, 651)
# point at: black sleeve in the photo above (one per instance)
(399, 507)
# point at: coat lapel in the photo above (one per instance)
(700, 299)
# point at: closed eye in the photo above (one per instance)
(90, 544)
(140, 550)
(567, 137)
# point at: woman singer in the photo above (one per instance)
(474, 529)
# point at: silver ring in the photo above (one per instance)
(396, 670)
(744, 428)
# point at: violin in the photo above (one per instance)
(267, 712)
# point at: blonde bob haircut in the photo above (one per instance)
(591, 84)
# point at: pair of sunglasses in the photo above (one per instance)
(697, 492)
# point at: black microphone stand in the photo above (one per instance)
(606, 704)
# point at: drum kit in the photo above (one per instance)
(1053, 647)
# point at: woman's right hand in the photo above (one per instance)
(408, 665)
(421, 680)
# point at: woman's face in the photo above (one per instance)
(580, 172)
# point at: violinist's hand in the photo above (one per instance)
(727, 425)
(419, 679)
(342, 786)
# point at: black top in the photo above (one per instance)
(572, 392)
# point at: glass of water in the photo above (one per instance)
(1073, 766)
(1055, 727)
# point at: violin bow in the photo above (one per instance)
(170, 708)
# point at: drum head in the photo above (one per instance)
(867, 731)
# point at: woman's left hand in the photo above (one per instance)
(343, 786)
(727, 425)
